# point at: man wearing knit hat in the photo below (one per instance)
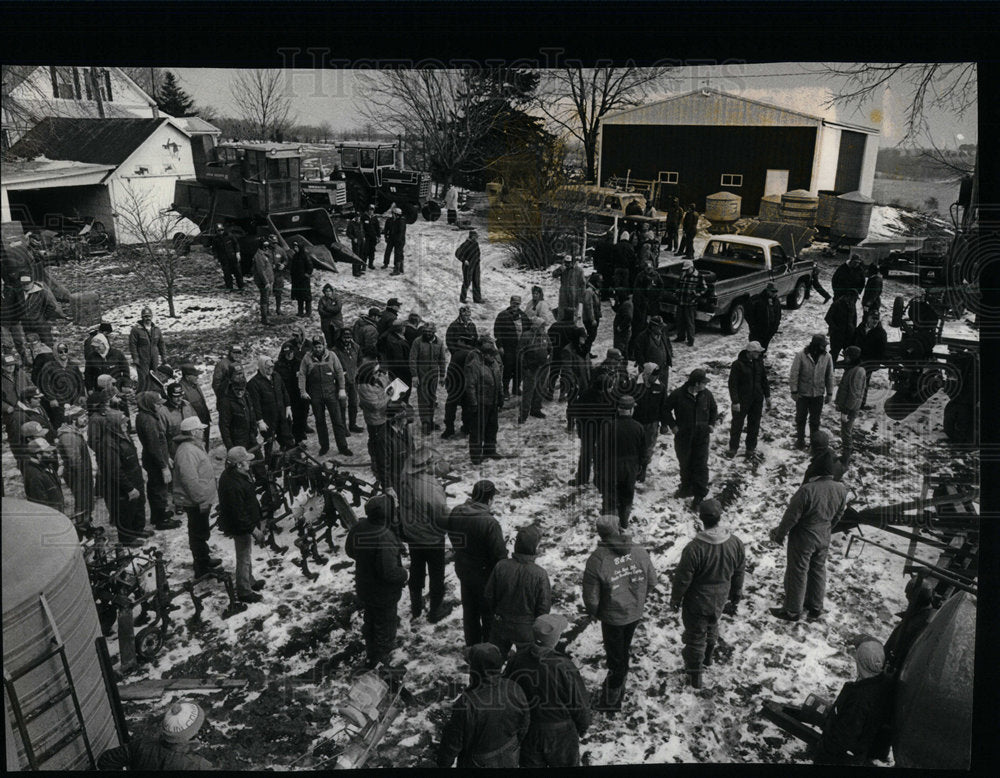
(810, 379)
(823, 457)
(708, 582)
(477, 540)
(170, 750)
(556, 694)
(379, 576)
(517, 592)
(618, 577)
(624, 445)
(691, 416)
(749, 392)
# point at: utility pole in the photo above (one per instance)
(95, 88)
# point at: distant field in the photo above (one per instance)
(914, 194)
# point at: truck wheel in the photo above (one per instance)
(431, 211)
(149, 642)
(798, 295)
(733, 319)
(410, 212)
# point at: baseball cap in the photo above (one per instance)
(72, 411)
(8, 359)
(614, 353)
(697, 376)
(32, 429)
(192, 424)
(626, 402)
(38, 445)
(515, 298)
(182, 722)
(238, 454)
(754, 345)
(710, 508)
(29, 393)
(608, 524)
(393, 303)
(189, 369)
(548, 628)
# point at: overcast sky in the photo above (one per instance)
(329, 95)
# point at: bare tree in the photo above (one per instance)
(577, 98)
(148, 79)
(152, 252)
(325, 130)
(262, 101)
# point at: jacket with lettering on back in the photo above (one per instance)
(616, 580)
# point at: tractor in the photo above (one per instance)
(375, 175)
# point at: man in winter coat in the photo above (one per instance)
(576, 369)
(423, 510)
(118, 470)
(689, 228)
(469, 256)
(592, 308)
(169, 751)
(460, 339)
(372, 381)
(849, 277)
(645, 298)
(810, 381)
(674, 214)
(690, 287)
(707, 583)
(78, 472)
(359, 243)
(287, 367)
(517, 592)
(145, 343)
(764, 315)
(807, 522)
(398, 443)
(194, 396)
(271, 405)
(823, 458)
(28, 409)
(478, 543)
(616, 581)
(237, 420)
(155, 458)
(39, 311)
(263, 276)
(172, 412)
(321, 382)
(373, 234)
(625, 445)
(538, 306)
(534, 350)
(842, 319)
(239, 518)
(871, 298)
(650, 412)
(105, 360)
(14, 380)
(119, 393)
(331, 314)
(41, 479)
(561, 334)
(427, 367)
(195, 491)
(227, 250)
(483, 399)
(413, 326)
(230, 365)
(300, 270)
(850, 393)
(872, 339)
(653, 345)
(451, 207)
(691, 416)
(489, 719)
(556, 694)
(395, 240)
(279, 260)
(624, 265)
(347, 352)
(507, 329)
(572, 284)
(394, 355)
(595, 410)
(379, 576)
(366, 331)
(749, 392)
(389, 316)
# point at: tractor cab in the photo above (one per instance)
(375, 175)
(368, 159)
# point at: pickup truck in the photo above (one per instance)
(736, 267)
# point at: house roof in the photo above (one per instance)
(195, 125)
(98, 141)
(16, 174)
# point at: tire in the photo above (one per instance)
(733, 319)
(358, 193)
(149, 642)
(410, 213)
(345, 513)
(182, 244)
(431, 211)
(798, 295)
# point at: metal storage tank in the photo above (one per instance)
(770, 208)
(799, 207)
(825, 208)
(46, 598)
(852, 216)
(722, 209)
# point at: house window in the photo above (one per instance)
(732, 179)
(667, 177)
(65, 83)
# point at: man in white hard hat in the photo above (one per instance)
(170, 750)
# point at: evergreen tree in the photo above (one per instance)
(173, 100)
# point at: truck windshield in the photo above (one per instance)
(386, 157)
(737, 252)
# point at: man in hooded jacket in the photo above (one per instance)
(810, 380)
(517, 592)
(764, 315)
(749, 392)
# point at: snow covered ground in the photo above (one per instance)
(297, 647)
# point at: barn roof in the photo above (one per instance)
(99, 141)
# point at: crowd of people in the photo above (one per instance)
(528, 707)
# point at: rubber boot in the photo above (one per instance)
(709, 651)
(694, 678)
(609, 698)
(277, 303)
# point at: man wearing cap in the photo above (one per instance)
(616, 581)
(764, 315)
(708, 582)
(228, 366)
(271, 405)
(346, 351)
(842, 320)
(389, 316)
(172, 412)
(373, 233)
(39, 310)
(379, 576)
(489, 719)
(195, 491)
(263, 276)
(237, 420)
(823, 457)
(813, 511)
(155, 457)
(483, 399)
(577, 370)
(427, 367)
(159, 378)
(413, 326)
(194, 396)
(13, 380)
(366, 330)
(78, 472)
(650, 412)
(394, 355)
(849, 277)
(534, 350)
(477, 540)
(517, 592)
(653, 345)
(227, 250)
(595, 410)
(690, 287)
(810, 381)
(395, 240)
(871, 338)
(169, 751)
(625, 448)
(749, 392)
(399, 446)
(279, 261)
(691, 416)
(468, 254)
(41, 481)
(507, 329)
(850, 393)
(591, 309)
(331, 314)
(239, 518)
(61, 381)
(321, 382)
(27, 409)
(423, 511)
(572, 284)
(460, 339)
(556, 694)
(145, 343)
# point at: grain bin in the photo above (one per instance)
(825, 208)
(770, 208)
(799, 207)
(852, 215)
(47, 598)
(722, 209)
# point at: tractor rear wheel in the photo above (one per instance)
(411, 212)
(431, 211)
(357, 193)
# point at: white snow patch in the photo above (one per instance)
(194, 313)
